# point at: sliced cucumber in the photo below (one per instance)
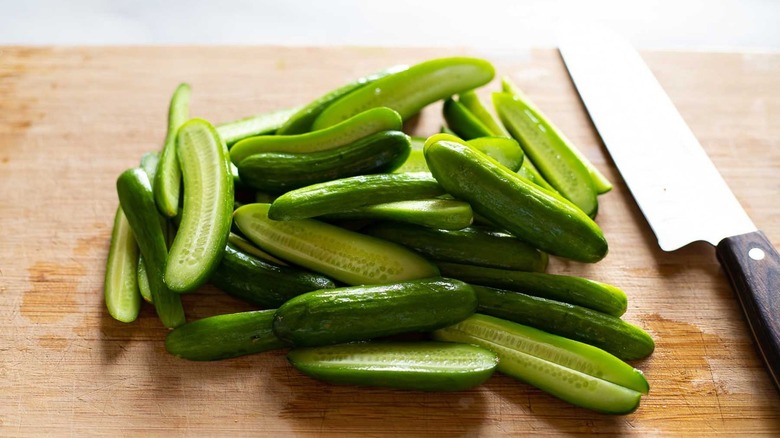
(423, 366)
(471, 101)
(445, 214)
(167, 182)
(123, 300)
(260, 124)
(344, 255)
(208, 206)
(572, 371)
(461, 121)
(143, 281)
(249, 248)
(503, 149)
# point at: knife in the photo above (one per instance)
(676, 185)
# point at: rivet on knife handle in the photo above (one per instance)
(753, 267)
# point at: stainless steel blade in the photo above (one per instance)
(675, 183)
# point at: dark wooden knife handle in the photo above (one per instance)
(753, 267)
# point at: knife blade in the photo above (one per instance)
(677, 187)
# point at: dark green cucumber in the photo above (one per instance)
(462, 122)
(261, 283)
(422, 366)
(248, 247)
(224, 336)
(280, 172)
(545, 221)
(120, 289)
(301, 121)
(354, 192)
(504, 151)
(343, 255)
(446, 214)
(333, 316)
(207, 210)
(592, 294)
(360, 126)
(137, 201)
(410, 90)
(572, 371)
(259, 124)
(472, 245)
(167, 182)
(601, 330)
(471, 101)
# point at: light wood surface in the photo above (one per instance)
(71, 119)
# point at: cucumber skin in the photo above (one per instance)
(260, 124)
(461, 121)
(541, 219)
(137, 201)
(224, 336)
(353, 192)
(261, 283)
(167, 182)
(305, 360)
(607, 332)
(592, 294)
(470, 245)
(334, 316)
(281, 172)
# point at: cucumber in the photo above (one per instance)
(446, 214)
(592, 294)
(415, 162)
(249, 248)
(547, 222)
(572, 371)
(167, 182)
(410, 90)
(280, 172)
(472, 245)
(137, 201)
(502, 149)
(601, 330)
(224, 336)
(528, 171)
(600, 182)
(354, 192)
(332, 316)
(120, 289)
(461, 121)
(549, 153)
(360, 126)
(302, 120)
(471, 101)
(422, 366)
(261, 283)
(208, 206)
(343, 255)
(143, 281)
(260, 124)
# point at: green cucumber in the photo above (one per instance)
(547, 222)
(208, 206)
(123, 299)
(343, 255)
(261, 283)
(410, 90)
(502, 149)
(471, 101)
(548, 151)
(414, 163)
(302, 120)
(601, 330)
(259, 124)
(530, 173)
(461, 121)
(332, 316)
(224, 336)
(137, 201)
(422, 366)
(143, 281)
(360, 126)
(446, 214)
(167, 182)
(572, 371)
(600, 182)
(592, 294)
(472, 245)
(354, 192)
(249, 248)
(280, 172)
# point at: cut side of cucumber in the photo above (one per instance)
(260, 124)
(425, 366)
(167, 182)
(444, 214)
(121, 287)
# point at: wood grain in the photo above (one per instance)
(71, 119)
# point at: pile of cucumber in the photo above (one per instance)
(346, 232)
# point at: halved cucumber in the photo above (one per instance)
(341, 254)
(465, 124)
(123, 299)
(260, 124)
(575, 372)
(167, 182)
(471, 101)
(208, 206)
(423, 366)
(445, 214)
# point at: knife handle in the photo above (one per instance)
(753, 267)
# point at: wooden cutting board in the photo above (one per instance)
(71, 119)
